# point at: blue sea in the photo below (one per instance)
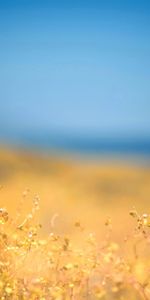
(81, 145)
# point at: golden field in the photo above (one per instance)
(73, 228)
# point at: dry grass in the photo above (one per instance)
(88, 246)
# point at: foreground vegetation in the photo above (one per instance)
(59, 268)
(89, 246)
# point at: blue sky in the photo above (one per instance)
(78, 67)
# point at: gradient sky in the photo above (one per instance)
(75, 66)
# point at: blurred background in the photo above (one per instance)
(75, 108)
